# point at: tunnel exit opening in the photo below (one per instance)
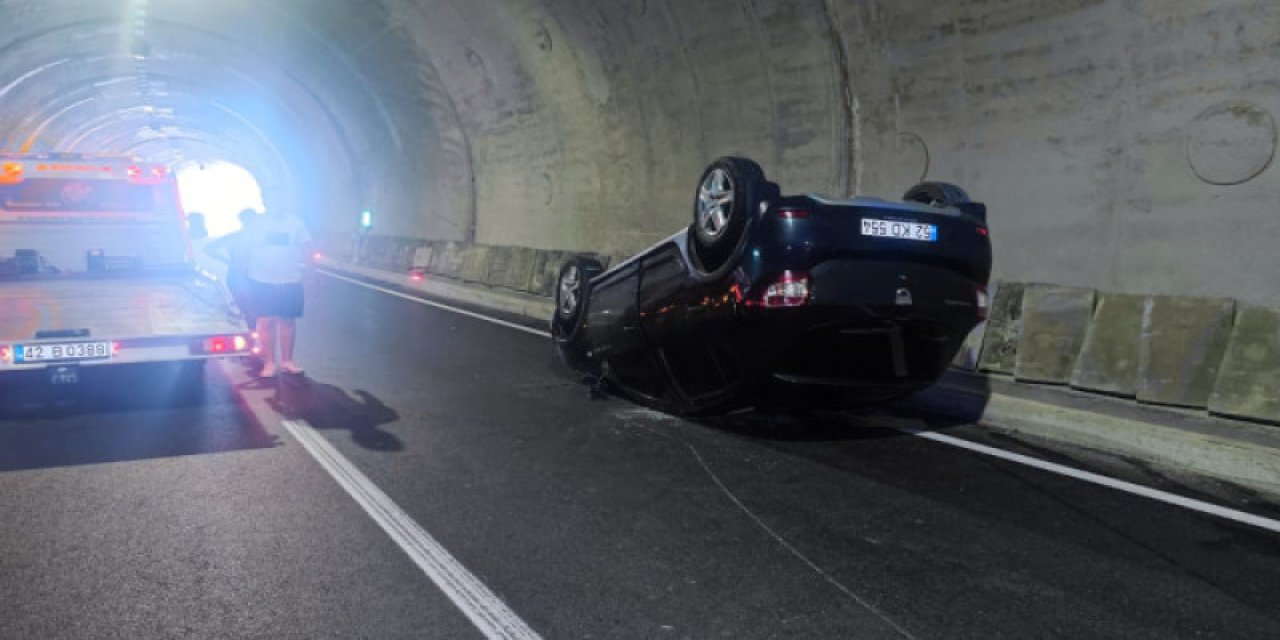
(219, 190)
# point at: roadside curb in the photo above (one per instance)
(1242, 454)
(523, 304)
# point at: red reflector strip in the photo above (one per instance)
(792, 214)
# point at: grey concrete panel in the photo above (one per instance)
(510, 267)
(1183, 343)
(1003, 329)
(1108, 360)
(498, 262)
(1054, 322)
(446, 259)
(422, 256)
(1248, 384)
(475, 264)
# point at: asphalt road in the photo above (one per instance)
(129, 512)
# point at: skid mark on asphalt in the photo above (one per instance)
(641, 414)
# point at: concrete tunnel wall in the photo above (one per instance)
(1092, 128)
(1121, 144)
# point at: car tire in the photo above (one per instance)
(938, 194)
(571, 294)
(728, 194)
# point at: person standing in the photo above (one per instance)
(278, 243)
(233, 250)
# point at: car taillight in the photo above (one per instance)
(982, 231)
(791, 289)
(134, 171)
(792, 214)
(6, 353)
(983, 302)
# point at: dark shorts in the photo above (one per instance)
(275, 300)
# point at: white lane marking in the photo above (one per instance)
(1121, 485)
(1137, 489)
(438, 305)
(486, 610)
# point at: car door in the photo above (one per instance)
(617, 336)
(677, 315)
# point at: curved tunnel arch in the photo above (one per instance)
(577, 124)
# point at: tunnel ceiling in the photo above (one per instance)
(323, 100)
(582, 124)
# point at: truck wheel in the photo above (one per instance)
(938, 194)
(729, 192)
(572, 288)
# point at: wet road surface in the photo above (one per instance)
(133, 513)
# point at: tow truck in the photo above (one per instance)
(97, 274)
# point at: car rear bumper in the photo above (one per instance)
(866, 323)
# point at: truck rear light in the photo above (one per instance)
(11, 172)
(221, 345)
(983, 302)
(792, 214)
(134, 171)
(791, 289)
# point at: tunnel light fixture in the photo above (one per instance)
(366, 219)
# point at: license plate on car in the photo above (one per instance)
(900, 230)
(26, 353)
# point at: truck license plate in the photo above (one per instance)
(900, 230)
(67, 351)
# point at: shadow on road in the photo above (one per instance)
(327, 407)
(131, 414)
(956, 400)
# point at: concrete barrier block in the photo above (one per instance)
(1248, 384)
(499, 262)
(446, 259)
(1003, 329)
(546, 269)
(1108, 360)
(1183, 344)
(422, 256)
(510, 267)
(475, 264)
(1054, 322)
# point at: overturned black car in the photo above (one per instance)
(768, 299)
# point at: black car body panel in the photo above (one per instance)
(882, 318)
